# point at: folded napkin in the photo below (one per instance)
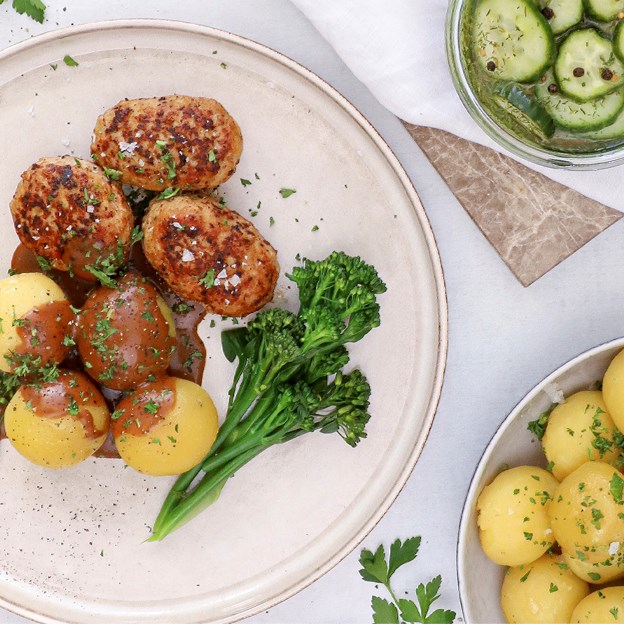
(396, 48)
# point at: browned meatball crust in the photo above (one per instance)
(210, 254)
(69, 212)
(190, 143)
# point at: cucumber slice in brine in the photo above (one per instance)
(512, 39)
(562, 14)
(614, 130)
(578, 116)
(604, 10)
(618, 41)
(586, 66)
(525, 109)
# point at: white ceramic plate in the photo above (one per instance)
(479, 579)
(73, 547)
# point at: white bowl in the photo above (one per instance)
(513, 445)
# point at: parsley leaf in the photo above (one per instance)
(69, 61)
(376, 569)
(33, 8)
(384, 612)
(208, 280)
(402, 553)
(286, 192)
(538, 426)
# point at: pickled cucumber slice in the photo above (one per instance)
(512, 39)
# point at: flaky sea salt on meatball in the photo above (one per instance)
(69, 212)
(210, 254)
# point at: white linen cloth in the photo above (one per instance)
(396, 48)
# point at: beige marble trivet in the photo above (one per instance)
(532, 222)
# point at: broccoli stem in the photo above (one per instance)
(239, 407)
(202, 496)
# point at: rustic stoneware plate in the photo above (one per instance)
(73, 547)
(513, 445)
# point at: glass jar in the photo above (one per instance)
(576, 154)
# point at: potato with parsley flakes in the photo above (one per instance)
(173, 141)
(35, 321)
(58, 423)
(544, 591)
(125, 335)
(579, 429)
(68, 212)
(587, 520)
(512, 515)
(210, 254)
(613, 389)
(165, 427)
(603, 606)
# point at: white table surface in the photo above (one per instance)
(503, 338)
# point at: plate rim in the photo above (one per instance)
(418, 210)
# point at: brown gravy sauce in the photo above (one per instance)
(43, 329)
(189, 357)
(55, 399)
(146, 409)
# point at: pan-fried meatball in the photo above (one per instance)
(210, 254)
(190, 143)
(69, 212)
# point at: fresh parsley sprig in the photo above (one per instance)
(376, 569)
(33, 8)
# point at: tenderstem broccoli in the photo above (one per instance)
(289, 379)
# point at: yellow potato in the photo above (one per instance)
(165, 427)
(613, 390)
(579, 429)
(545, 591)
(58, 423)
(587, 516)
(604, 606)
(34, 319)
(514, 528)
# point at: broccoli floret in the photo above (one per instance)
(347, 286)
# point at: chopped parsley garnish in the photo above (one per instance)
(538, 426)
(168, 193)
(44, 263)
(167, 158)
(286, 192)
(69, 61)
(73, 408)
(151, 407)
(208, 280)
(113, 174)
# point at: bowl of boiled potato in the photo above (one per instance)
(542, 531)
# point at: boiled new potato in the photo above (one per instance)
(586, 516)
(514, 527)
(125, 335)
(604, 606)
(35, 317)
(578, 429)
(544, 591)
(58, 423)
(165, 427)
(613, 390)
